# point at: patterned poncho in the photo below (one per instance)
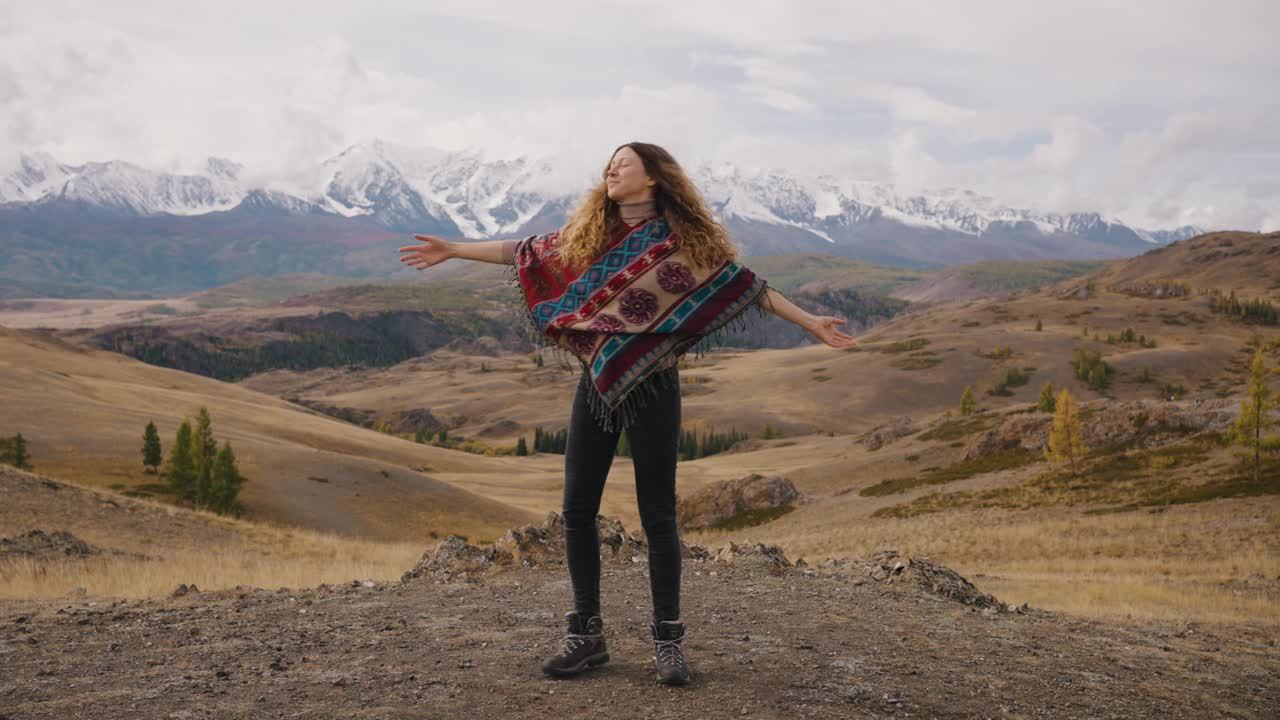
(634, 311)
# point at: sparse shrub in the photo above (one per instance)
(1013, 377)
(1091, 368)
(1002, 352)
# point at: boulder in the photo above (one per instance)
(723, 500)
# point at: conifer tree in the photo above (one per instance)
(1066, 437)
(152, 455)
(1255, 415)
(204, 448)
(21, 459)
(227, 481)
(1039, 325)
(204, 490)
(1046, 401)
(521, 447)
(967, 404)
(181, 472)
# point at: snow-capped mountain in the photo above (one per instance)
(381, 189)
(37, 175)
(406, 188)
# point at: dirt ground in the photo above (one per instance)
(795, 644)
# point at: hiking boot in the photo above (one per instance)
(668, 657)
(583, 647)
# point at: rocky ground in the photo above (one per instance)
(462, 635)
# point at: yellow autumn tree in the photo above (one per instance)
(1250, 428)
(967, 405)
(1066, 437)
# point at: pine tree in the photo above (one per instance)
(204, 449)
(1046, 401)
(152, 455)
(181, 472)
(227, 482)
(1066, 437)
(967, 405)
(21, 458)
(1039, 325)
(1255, 415)
(521, 448)
(205, 445)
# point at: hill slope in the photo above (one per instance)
(83, 412)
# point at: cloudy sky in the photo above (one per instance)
(1159, 112)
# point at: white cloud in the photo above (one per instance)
(1156, 112)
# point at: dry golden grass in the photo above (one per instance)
(1162, 565)
(265, 557)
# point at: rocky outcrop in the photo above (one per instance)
(533, 546)
(769, 557)
(56, 545)
(721, 501)
(887, 567)
(1109, 423)
(42, 545)
(887, 433)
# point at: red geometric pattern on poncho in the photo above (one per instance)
(642, 301)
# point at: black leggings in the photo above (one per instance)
(653, 436)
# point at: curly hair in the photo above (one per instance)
(589, 228)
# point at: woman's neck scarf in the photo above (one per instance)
(632, 312)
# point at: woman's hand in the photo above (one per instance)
(432, 251)
(823, 326)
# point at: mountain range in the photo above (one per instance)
(73, 229)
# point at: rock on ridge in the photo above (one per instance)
(531, 546)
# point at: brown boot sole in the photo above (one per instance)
(588, 662)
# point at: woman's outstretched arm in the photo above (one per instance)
(434, 251)
(822, 326)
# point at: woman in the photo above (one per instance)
(640, 274)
